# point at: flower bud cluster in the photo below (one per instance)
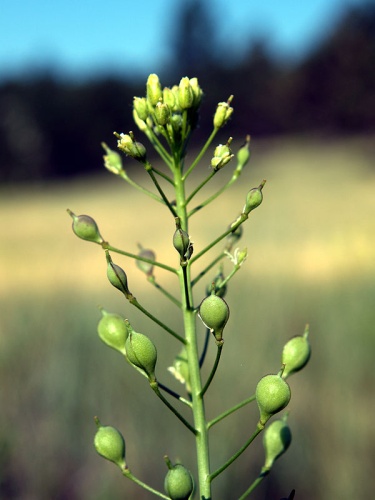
(162, 108)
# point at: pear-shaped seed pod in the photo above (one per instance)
(276, 440)
(214, 312)
(141, 352)
(296, 354)
(178, 483)
(85, 227)
(113, 331)
(272, 395)
(110, 444)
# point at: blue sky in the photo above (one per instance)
(83, 37)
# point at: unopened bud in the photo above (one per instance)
(112, 160)
(185, 94)
(222, 156)
(130, 147)
(197, 91)
(162, 113)
(223, 113)
(153, 89)
(140, 107)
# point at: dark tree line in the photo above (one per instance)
(50, 128)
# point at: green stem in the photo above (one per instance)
(208, 268)
(162, 174)
(239, 452)
(230, 411)
(143, 190)
(107, 246)
(189, 318)
(241, 219)
(213, 197)
(154, 386)
(160, 149)
(200, 186)
(126, 472)
(174, 394)
(214, 368)
(264, 472)
(135, 303)
(201, 153)
(161, 289)
(148, 167)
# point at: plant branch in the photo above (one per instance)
(201, 153)
(264, 472)
(214, 368)
(126, 472)
(230, 411)
(107, 246)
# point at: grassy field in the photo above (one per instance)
(311, 259)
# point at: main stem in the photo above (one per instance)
(189, 316)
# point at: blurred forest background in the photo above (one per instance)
(311, 260)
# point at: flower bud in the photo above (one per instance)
(169, 98)
(162, 113)
(130, 147)
(146, 267)
(214, 313)
(113, 331)
(141, 352)
(178, 483)
(296, 353)
(185, 93)
(117, 276)
(276, 440)
(222, 156)
(110, 444)
(85, 227)
(153, 89)
(272, 395)
(197, 91)
(112, 160)
(223, 113)
(253, 199)
(140, 107)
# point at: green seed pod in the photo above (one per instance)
(153, 89)
(141, 352)
(272, 395)
(110, 444)
(253, 199)
(216, 285)
(214, 312)
(146, 267)
(113, 331)
(178, 483)
(296, 353)
(243, 154)
(117, 276)
(181, 241)
(276, 440)
(85, 227)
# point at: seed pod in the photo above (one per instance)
(276, 440)
(253, 199)
(146, 267)
(181, 242)
(117, 276)
(85, 227)
(178, 483)
(243, 154)
(141, 352)
(272, 395)
(113, 331)
(110, 444)
(296, 353)
(214, 312)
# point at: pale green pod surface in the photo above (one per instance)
(296, 354)
(178, 483)
(141, 352)
(214, 312)
(113, 331)
(85, 227)
(276, 440)
(272, 395)
(110, 444)
(146, 267)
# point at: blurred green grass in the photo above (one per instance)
(311, 260)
